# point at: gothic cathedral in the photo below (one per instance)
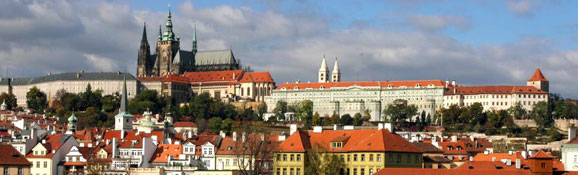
(170, 59)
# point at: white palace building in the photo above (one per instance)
(331, 96)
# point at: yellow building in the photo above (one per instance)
(46, 154)
(363, 151)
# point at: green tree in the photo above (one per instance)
(10, 100)
(332, 164)
(70, 101)
(227, 125)
(335, 118)
(367, 115)
(472, 115)
(202, 125)
(280, 110)
(518, 111)
(111, 102)
(36, 99)
(261, 109)
(316, 120)
(313, 160)
(215, 125)
(147, 100)
(428, 120)
(357, 119)
(554, 135)
(305, 112)
(399, 112)
(90, 98)
(346, 119)
(541, 114)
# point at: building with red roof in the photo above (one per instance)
(364, 151)
(46, 155)
(12, 162)
(500, 97)
(227, 85)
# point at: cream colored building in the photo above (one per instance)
(48, 153)
(500, 97)
(107, 82)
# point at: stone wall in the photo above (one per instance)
(563, 124)
(525, 123)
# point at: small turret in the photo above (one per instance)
(71, 124)
(539, 81)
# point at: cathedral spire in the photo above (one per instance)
(194, 39)
(169, 35)
(323, 71)
(160, 33)
(144, 33)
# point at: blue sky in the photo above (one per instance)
(476, 42)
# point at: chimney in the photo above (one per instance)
(380, 126)
(454, 83)
(493, 159)
(222, 134)
(121, 134)
(114, 148)
(335, 127)
(107, 142)
(571, 132)
(471, 158)
(292, 128)
(234, 136)
(510, 152)
(486, 152)
(43, 141)
(243, 137)
(169, 157)
(525, 155)
(282, 137)
(388, 126)
(262, 137)
(454, 138)
(518, 164)
(317, 129)
(447, 83)
(508, 162)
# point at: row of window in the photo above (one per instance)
(5, 172)
(37, 163)
(292, 157)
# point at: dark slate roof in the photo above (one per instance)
(4, 81)
(183, 57)
(74, 76)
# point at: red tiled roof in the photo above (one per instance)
(427, 147)
(259, 77)
(184, 124)
(427, 171)
(538, 76)
(53, 142)
(11, 156)
(231, 75)
(541, 155)
(499, 157)
(359, 140)
(149, 79)
(422, 83)
(164, 150)
(471, 90)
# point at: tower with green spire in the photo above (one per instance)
(71, 124)
(167, 47)
(123, 120)
(194, 40)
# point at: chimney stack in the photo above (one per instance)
(317, 129)
(518, 164)
(234, 136)
(292, 128)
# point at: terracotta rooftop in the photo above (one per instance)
(538, 76)
(395, 84)
(11, 156)
(472, 90)
(184, 124)
(427, 147)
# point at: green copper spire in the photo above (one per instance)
(71, 124)
(195, 39)
(169, 35)
(160, 33)
(4, 106)
(123, 98)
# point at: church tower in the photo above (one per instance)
(539, 81)
(323, 71)
(123, 120)
(71, 125)
(167, 48)
(144, 64)
(336, 75)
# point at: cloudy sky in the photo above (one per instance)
(476, 42)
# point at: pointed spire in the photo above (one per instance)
(323, 64)
(194, 39)
(160, 33)
(336, 66)
(144, 33)
(169, 35)
(123, 98)
(538, 76)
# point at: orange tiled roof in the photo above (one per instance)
(184, 124)
(471, 90)
(422, 83)
(53, 142)
(541, 155)
(164, 150)
(427, 171)
(231, 75)
(359, 140)
(538, 76)
(259, 77)
(499, 156)
(11, 156)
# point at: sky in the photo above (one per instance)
(475, 42)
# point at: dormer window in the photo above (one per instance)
(459, 147)
(417, 85)
(390, 86)
(336, 144)
(322, 87)
(296, 88)
(450, 148)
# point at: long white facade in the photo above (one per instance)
(356, 97)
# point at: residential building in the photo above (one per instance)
(47, 154)
(570, 151)
(364, 151)
(12, 162)
(500, 97)
(75, 160)
(433, 157)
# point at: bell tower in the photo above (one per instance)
(167, 47)
(539, 81)
(323, 72)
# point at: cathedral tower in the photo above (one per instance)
(336, 75)
(144, 64)
(323, 71)
(167, 48)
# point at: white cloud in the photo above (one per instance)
(522, 8)
(438, 22)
